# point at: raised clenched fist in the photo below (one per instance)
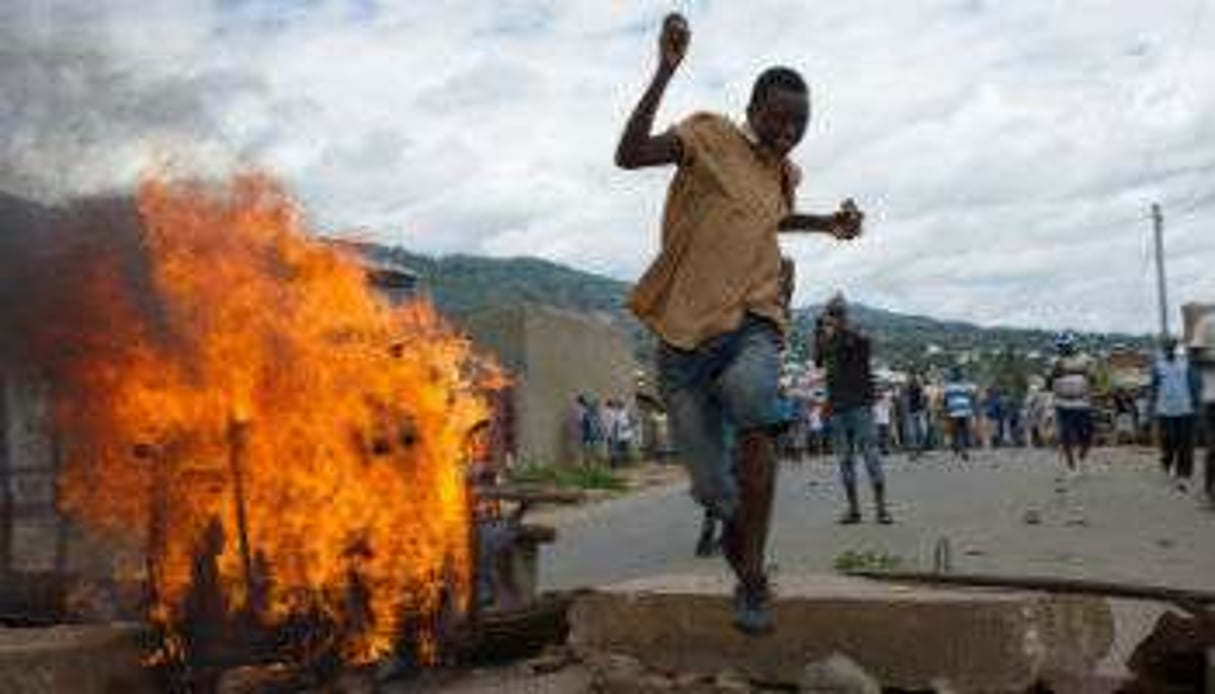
(673, 43)
(848, 220)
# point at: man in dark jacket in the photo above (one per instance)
(844, 352)
(917, 417)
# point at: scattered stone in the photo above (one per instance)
(613, 672)
(654, 682)
(1076, 519)
(1032, 517)
(251, 679)
(1165, 543)
(551, 660)
(684, 681)
(837, 674)
(351, 682)
(731, 681)
(1173, 654)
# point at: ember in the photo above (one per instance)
(285, 443)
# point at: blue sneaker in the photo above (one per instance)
(752, 609)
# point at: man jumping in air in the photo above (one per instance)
(713, 294)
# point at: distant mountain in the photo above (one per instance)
(917, 342)
(463, 284)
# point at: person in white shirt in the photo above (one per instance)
(882, 409)
(1202, 350)
(619, 425)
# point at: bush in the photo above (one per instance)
(868, 560)
(594, 477)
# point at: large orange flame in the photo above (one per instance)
(270, 372)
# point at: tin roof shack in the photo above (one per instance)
(553, 355)
(398, 282)
(1129, 368)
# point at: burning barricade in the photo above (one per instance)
(282, 448)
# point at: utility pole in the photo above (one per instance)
(1161, 287)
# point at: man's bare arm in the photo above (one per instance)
(844, 223)
(805, 222)
(638, 146)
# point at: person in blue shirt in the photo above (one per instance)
(1176, 394)
(960, 407)
(994, 412)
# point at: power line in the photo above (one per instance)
(1179, 69)
(1194, 204)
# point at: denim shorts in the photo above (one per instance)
(727, 384)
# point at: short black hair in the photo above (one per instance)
(837, 306)
(774, 78)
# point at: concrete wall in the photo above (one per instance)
(34, 536)
(28, 457)
(554, 355)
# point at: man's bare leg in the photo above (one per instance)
(746, 536)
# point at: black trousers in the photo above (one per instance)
(1177, 445)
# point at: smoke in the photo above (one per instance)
(74, 283)
(83, 111)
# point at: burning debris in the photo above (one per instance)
(231, 395)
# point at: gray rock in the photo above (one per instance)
(614, 672)
(837, 674)
(691, 681)
(655, 683)
(731, 681)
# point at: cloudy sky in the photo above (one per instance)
(1006, 151)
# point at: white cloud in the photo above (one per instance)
(1006, 152)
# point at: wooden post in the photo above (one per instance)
(6, 485)
(158, 486)
(238, 445)
(61, 522)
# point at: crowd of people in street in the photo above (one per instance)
(926, 412)
(604, 432)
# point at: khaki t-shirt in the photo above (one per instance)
(720, 258)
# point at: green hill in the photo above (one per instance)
(462, 284)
